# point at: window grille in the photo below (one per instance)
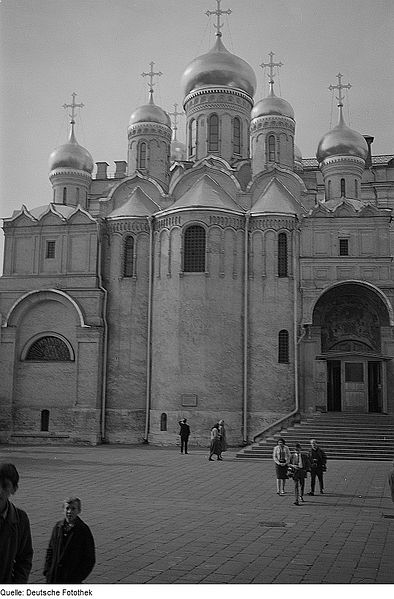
(271, 148)
(282, 255)
(128, 257)
(283, 347)
(343, 247)
(49, 349)
(237, 135)
(343, 188)
(44, 420)
(163, 422)
(213, 133)
(142, 155)
(50, 249)
(194, 249)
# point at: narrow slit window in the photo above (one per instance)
(237, 135)
(194, 249)
(213, 133)
(343, 188)
(192, 137)
(44, 420)
(283, 347)
(271, 148)
(142, 155)
(128, 257)
(282, 255)
(50, 249)
(163, 422)
(64, 195)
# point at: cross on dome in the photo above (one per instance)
(340, 87)
(271, 65)
(73, 106)
(218, 12)
(175, 115)
(151, 74)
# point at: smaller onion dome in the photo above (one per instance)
(150, 113)
(272, 105)
(342, 141)
(71, 155)
(219, 67)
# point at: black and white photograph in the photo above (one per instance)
(196, 265)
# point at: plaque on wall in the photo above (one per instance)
(189, 400)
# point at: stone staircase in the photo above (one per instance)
(342, 436)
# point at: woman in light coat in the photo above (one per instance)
(281, 457)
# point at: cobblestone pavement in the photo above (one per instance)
(161, 517)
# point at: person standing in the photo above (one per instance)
(184, 434)
(299, 462)
(215, 447)
(318, 460)
(281, 457)
(222, 437)
(70, 556)
(16, 549)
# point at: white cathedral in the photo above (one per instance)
(227, 277)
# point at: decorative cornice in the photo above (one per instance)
(74, 172)
(136, 225)
(149, 128)
(230, 92)
(273, 222)
(266, 122)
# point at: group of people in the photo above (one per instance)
(218, 442)
(70, 555)
(296, 465)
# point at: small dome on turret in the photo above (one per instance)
(219, 67)
(150, 113)
(272, 105)
(342, 141)
(71, 155)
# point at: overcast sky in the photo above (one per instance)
(99, 48)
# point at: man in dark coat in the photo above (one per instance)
(318, 460)
(16, 550)
(184, 434)
(70, 555)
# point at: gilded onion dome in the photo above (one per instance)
(219, 67)
(342, 141)
(71, 155)
(272, 105)
(150, 113)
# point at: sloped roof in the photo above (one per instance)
(138, 204)
(205, 193)
(61, 211)
(276, 199)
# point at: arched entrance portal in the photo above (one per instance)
(350, 318)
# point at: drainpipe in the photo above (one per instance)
(246, 329)
(105, 340)
(149, 332)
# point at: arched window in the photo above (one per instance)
(141, 158)
(128, 257)
(237, 135)
(44, 420)
(48, 349)
(213, 133)
(283, 347)
(194, 249)
(271, 148)
(356, 188)
(192, 137)
(163, 422)
(329, 190)
(64, 195)
(343, 188)
(77, 195)
(282, 255)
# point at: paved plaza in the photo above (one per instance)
(160, 517)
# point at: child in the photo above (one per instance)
(70, 555)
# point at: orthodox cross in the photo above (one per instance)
(175, 114)
(151, 74)
(271, 65)
(73, 106)
(218, 12)
(340, 87)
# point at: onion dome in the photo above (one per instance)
(219, 67)
(272, 105)
(150, 113)
(71, 155)
(342, 141)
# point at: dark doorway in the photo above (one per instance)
(374, 387)
(334, 386)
